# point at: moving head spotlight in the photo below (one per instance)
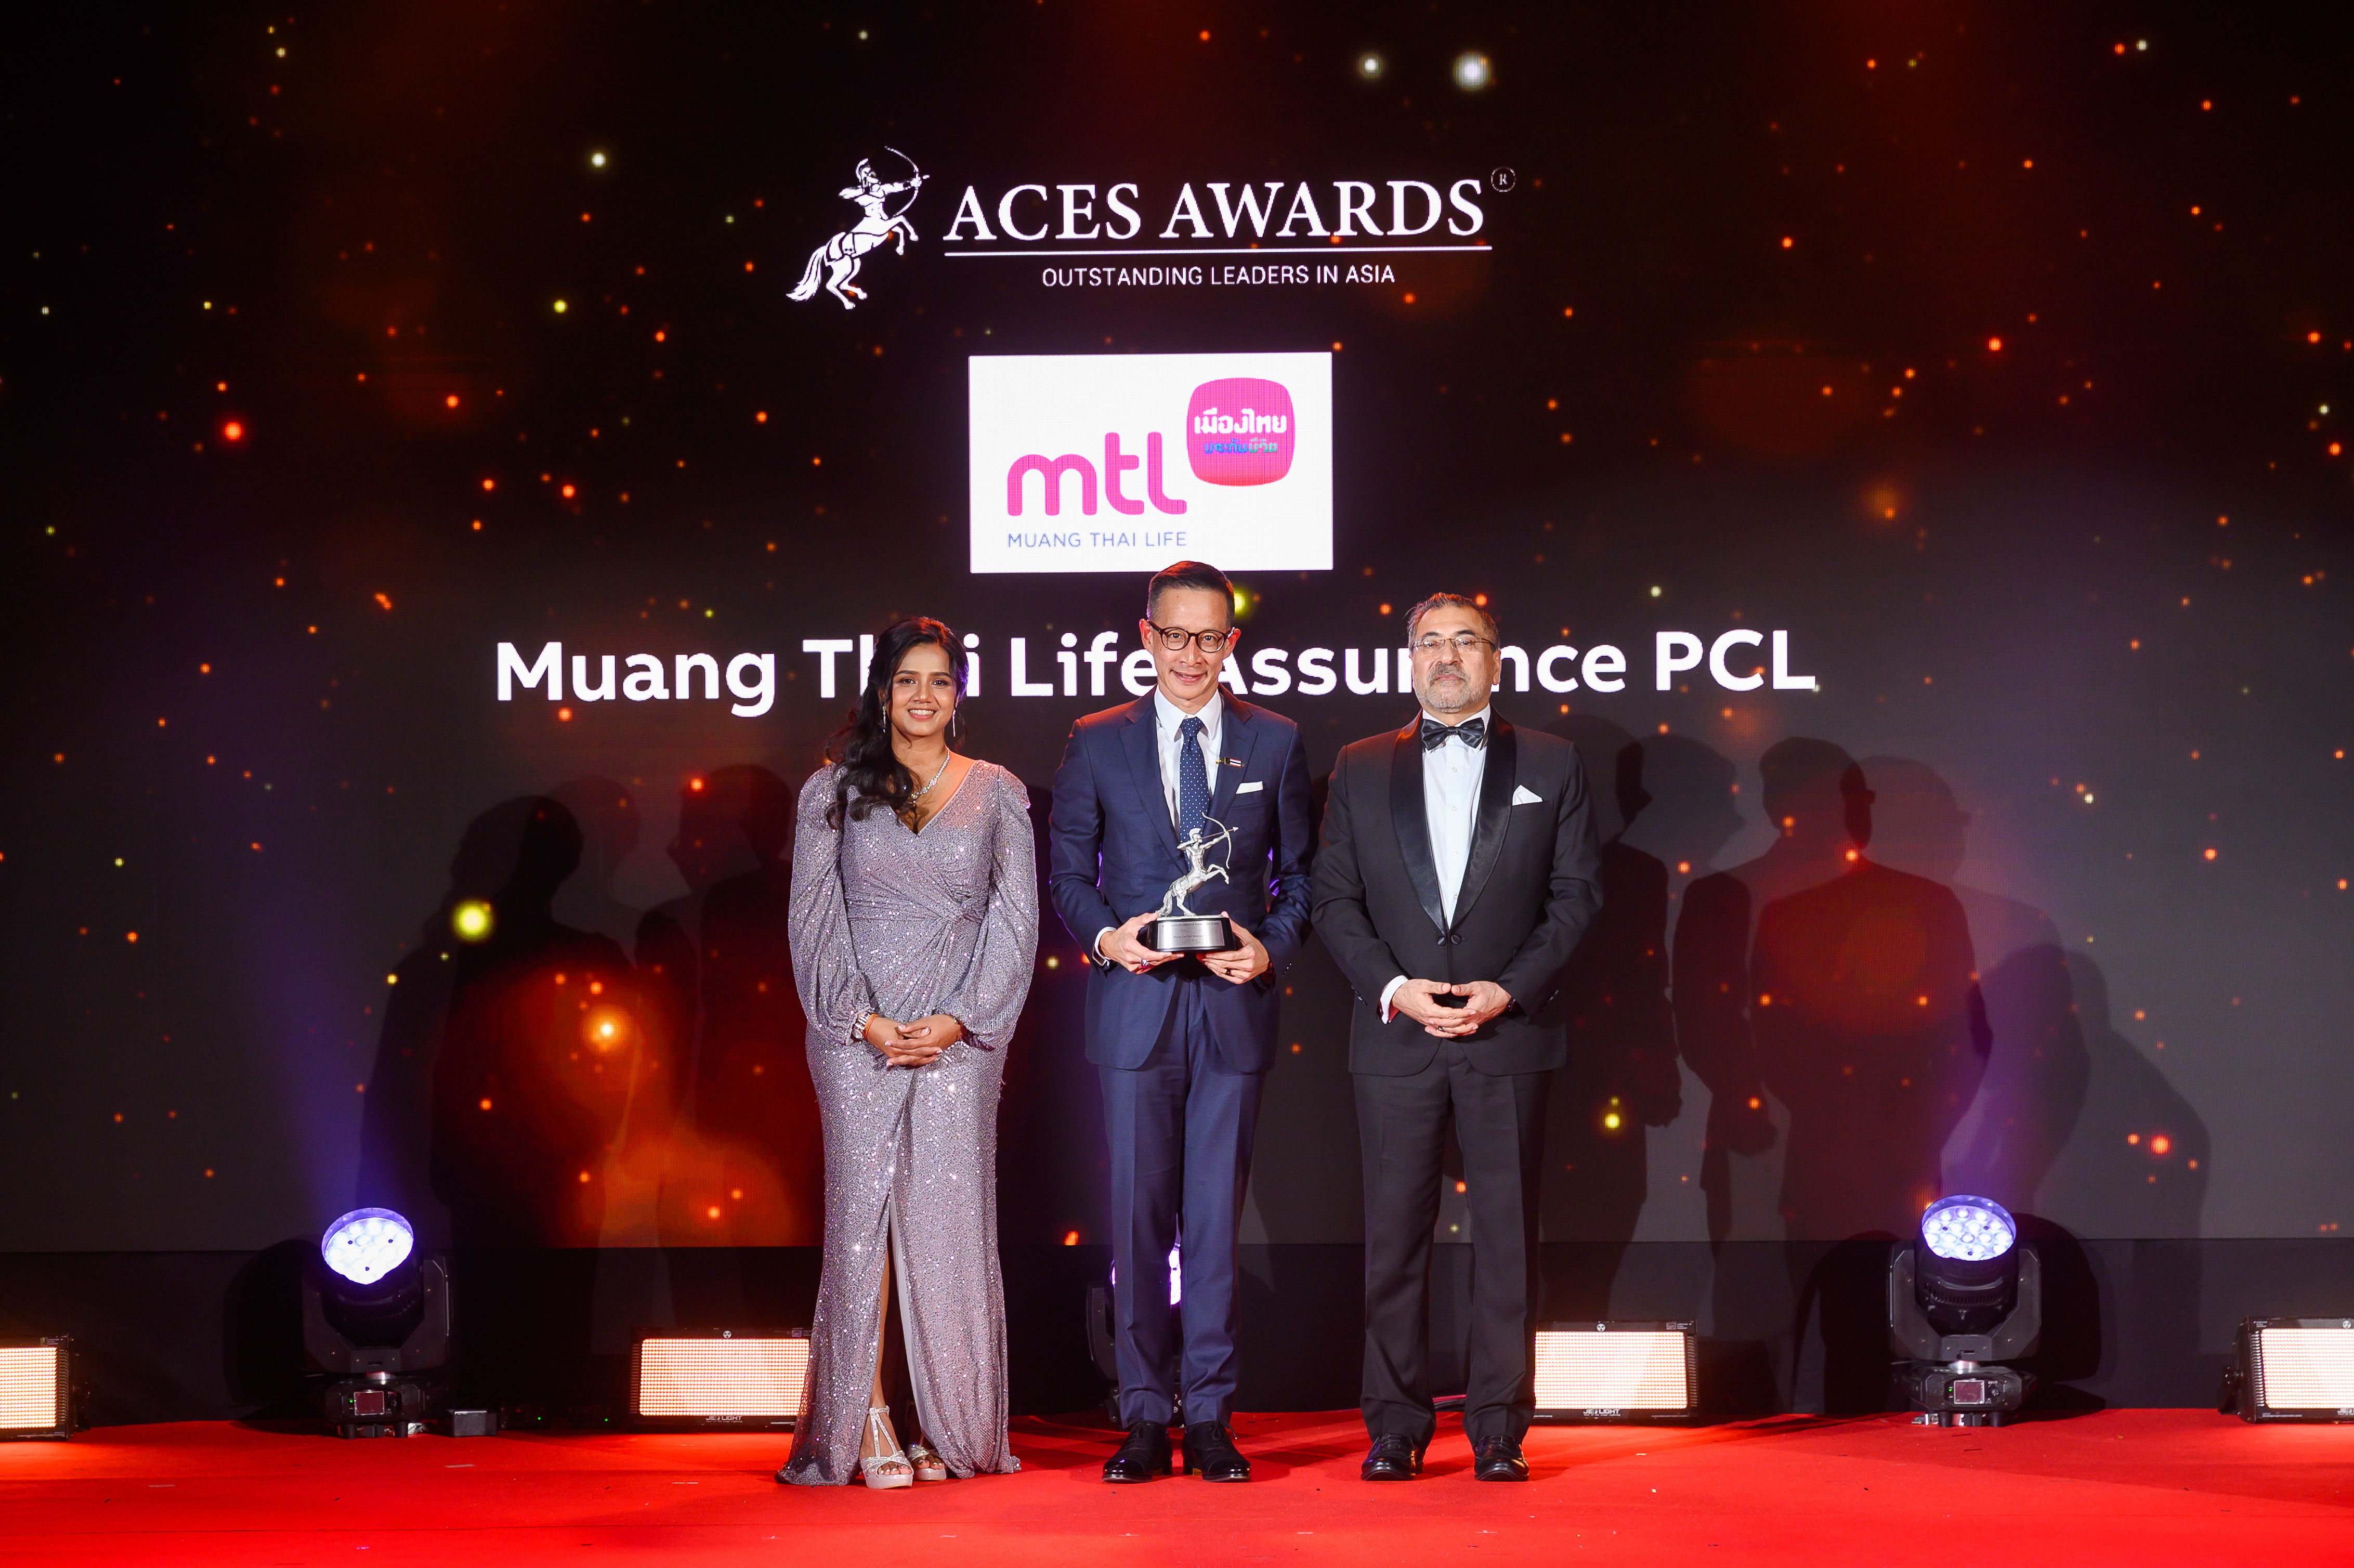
(1964, 1298)
(375, 1316)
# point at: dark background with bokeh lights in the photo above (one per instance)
(2002, 355)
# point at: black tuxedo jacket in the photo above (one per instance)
(1529, 890)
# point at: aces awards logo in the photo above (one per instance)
(878, 221)
(1073, 464)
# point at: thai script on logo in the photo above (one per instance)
(1240, 431)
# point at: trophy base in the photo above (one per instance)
(1189, 934)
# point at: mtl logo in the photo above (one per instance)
(1239, 430)
(1123, 463)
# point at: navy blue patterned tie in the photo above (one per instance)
(1192, 780)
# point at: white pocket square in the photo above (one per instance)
(1253, 788)
(1524, 796)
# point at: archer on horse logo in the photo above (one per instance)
(840, 255)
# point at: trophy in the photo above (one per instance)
(1178, 929)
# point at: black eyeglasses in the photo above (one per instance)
(1174, 638)
(1462, 642)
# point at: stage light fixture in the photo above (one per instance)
(1616, 1372)
(376, 1320)
(36, 1388)
(718, 1380)
(470, 920)
(1370, 66)
(1964, 1298)
(1472, 71)
(2292, 1368)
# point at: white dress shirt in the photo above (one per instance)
(1450, 803)
(1169, 739)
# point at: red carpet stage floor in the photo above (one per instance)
(2128, 1485)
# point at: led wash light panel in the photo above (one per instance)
(367, 1244)
(32, 1388)
(2308, 1369)
(1620, 1371)
(706, 1377)
(1967, 1230)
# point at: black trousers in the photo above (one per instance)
(1402, 1126)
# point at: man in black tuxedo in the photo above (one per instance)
(1457, 874)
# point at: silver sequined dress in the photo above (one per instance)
(908, 924)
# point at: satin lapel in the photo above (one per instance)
(1412, 820)
(1496, 782)
(1237, 738)
(1144, 761)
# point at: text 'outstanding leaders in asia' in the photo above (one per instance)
(1458, 872)
(1181, 1044)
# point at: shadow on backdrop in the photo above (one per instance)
(1870, 1031)
(1749, 1318)
(610, 825)
(451, 994)
(1621, 1077)
(2137, 1167)
(750, 1147)
(2037, 1068)
(546, 1062)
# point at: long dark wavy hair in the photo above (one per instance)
(871, 775)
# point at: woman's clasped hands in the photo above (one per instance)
(916, 1044)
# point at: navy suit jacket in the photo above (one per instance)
(1113, 854)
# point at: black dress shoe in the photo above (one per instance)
(1392, 1458)
(1499, 1459)
(1144, 1455)
(1210, 1452)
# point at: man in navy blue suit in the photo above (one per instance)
(1181, 1044)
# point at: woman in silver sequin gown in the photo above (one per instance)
(937, 928)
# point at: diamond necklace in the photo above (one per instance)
(936, 779)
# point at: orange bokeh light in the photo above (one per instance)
(607, 1029)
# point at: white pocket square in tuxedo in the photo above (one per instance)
(1253, 788)
(1524, 796)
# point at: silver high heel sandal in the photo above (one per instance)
(884, 1471)
(929, 1466)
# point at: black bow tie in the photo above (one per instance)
(1472, 733)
